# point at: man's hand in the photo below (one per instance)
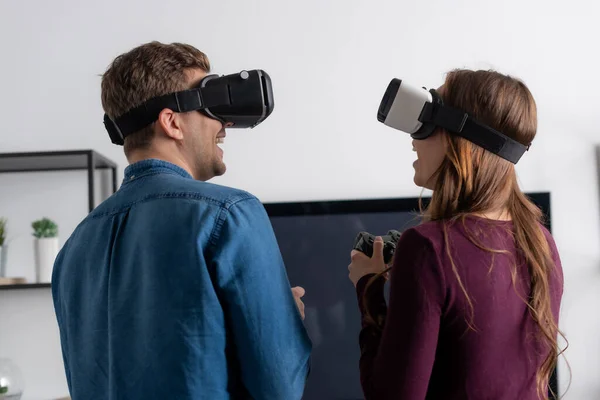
(298, 292)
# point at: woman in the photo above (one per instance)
(475, 290)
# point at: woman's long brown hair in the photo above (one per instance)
(472, 180)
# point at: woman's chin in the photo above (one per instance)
(417, 181)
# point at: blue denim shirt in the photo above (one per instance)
(175, 289)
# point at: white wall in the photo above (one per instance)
(330, 62)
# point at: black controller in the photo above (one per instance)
(364, 243)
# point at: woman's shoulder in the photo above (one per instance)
(459, 231)
(549, 237)
(435, 231)
(553, 247)
(429, 228)
(430, 233)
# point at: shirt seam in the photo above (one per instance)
(227, 203)
(128, 179)
(215, 234)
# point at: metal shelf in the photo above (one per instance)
(25, 286)
(69, 160)
(52, 161)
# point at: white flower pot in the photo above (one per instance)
(45, 252)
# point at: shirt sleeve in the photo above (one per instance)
(269, 336)
(396, 362)
(57, 300)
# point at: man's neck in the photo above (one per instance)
(177, 159)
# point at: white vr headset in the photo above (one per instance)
(419, 112)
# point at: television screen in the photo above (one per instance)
(315, 239)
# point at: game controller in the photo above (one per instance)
(364, 243)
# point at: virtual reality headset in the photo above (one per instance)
(242, 100)
(419, 112)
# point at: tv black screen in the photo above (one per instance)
(315, 239)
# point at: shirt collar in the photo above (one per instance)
(153, 166)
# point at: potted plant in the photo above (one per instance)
(3, 247)
(45, 232)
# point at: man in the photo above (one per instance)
(174, 288)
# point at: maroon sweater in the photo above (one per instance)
(426, 349)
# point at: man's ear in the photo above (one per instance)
(170, 123)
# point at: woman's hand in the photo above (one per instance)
(362, 265)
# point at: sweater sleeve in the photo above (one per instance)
(396, 362)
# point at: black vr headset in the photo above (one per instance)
(418, 112)
(241, 100)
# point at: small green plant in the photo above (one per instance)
(44, 228)
(3, 222)
(3, 389)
